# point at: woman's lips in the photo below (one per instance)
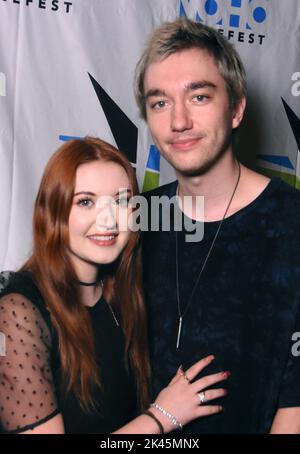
(103, 240)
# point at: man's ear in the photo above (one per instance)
(238, 113)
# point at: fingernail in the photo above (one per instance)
(226, 374)
(221, 408)
(180, 371)
(210, 358)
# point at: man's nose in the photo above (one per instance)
(181, 118)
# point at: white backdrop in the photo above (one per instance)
(50, 48)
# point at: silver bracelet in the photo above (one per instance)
(167, 414)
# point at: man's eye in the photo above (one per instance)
(200, 98)
(158, 105)
(87, 203)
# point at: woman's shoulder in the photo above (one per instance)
(17, 282)
(21, 284)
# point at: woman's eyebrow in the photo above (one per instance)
(85, 193)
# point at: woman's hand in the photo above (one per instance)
(183, 398)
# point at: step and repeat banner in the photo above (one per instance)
(66, 70)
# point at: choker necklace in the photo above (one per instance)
(109, 306)
(181, 313)
(87, 284)
(90, 284)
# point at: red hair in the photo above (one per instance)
(55, 276)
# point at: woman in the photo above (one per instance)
(74, 320)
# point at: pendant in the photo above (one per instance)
(179, 332)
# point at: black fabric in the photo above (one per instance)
(245, 309)
(30, 385)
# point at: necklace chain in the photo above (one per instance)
(110, 308)
(113, 314)
(180, 313)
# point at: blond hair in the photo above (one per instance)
(172, 37)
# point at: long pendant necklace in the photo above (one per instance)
(180, 313)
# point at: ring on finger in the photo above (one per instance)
(202, 398)
(186, 377)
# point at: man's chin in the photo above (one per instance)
(189, 171)
(199, 168)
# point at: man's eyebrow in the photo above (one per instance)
(189, 87)
(154, 92)
(200, 84)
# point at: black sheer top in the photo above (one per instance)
(30, 372)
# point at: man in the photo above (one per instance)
(235, 294)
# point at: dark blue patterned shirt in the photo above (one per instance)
(244, 311)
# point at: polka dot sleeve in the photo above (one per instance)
(27, 393)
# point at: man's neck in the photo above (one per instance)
(216, 186)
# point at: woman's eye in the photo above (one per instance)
(87, 203)
(122, 202)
